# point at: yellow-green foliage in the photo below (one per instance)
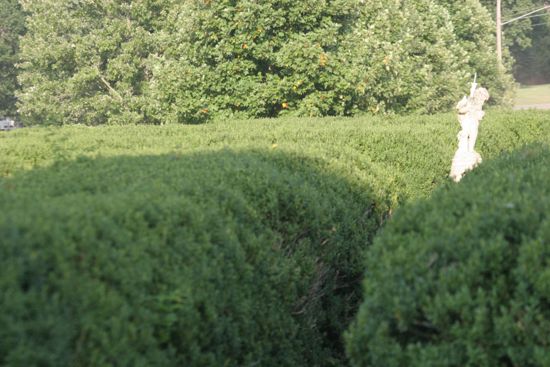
(188, 61)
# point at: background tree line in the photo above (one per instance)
(528, 39)
(12, 26)
(156, 61)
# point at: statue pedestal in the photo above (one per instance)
(463, 161)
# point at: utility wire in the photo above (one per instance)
(517, 13)
(526, 15)
(535, 16)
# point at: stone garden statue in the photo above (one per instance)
(469, 114)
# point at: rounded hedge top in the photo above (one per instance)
(214, 259)
(463, 279)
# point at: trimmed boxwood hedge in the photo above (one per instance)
(369, 166)
(463, 278)
(214, 259)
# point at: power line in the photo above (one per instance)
(499, 25)
(539, 24)
(526, 10)
(538, 15)
(534, 16)
(526, 14)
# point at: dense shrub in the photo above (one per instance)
(401, 157)
(462, 279)
(396, 158)
(215, 259)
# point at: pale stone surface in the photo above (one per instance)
(469, 114)
(463, 161)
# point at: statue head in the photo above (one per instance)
(481, 95)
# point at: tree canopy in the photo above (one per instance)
(12, 25)
(158, 61)
(475, 31)
(528, 38)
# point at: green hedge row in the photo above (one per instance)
(207, 259)
(316, 188)
(463, 279)
(398, 157)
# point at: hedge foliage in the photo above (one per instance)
(68, 191)
(191, 61)
(400, 157)
(216, 259)
(462, 279)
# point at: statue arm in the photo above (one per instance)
(462, 105)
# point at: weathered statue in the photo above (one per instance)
(469, 114)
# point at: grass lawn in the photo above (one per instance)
(536, 94)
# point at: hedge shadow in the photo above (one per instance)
(222, 258)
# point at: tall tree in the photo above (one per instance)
(413, 60)
(122, 61)
(526, 38)
(533, 63)
(85, 61)
(308, 58)
(257, 59)
(475, 31)
(12, 26)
